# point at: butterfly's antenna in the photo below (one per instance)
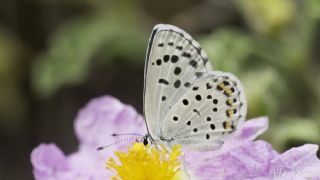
(115, 143)
(126, 134)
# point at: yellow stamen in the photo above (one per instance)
(145, 162)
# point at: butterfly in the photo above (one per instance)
(185, 101)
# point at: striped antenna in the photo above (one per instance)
(115, 143)
(126, 134)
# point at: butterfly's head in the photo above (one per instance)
(147, 139)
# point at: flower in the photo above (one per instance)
(241, 157)
(145, 162)
(93, 126)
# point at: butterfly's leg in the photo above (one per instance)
(185, 165)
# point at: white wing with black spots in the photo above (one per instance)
(174, 62)
(211, 108)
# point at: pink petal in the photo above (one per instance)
(302, 156)
(253, 128)
(103, 116)
(247, 161)
(86, 163)
(47, 160)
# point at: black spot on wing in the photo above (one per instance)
(166, 58)
(193, 63)
(209, 86)
(187, 84)
(186, 54)
(196, 111)
(207, 136)
(215, 101)
(175, 118)
(232, 126)
(198, 74)
(158, 62)
(177, 83)
(185, 102)
(163, 81)
(224, 125)
(179, 48)
(174, 59)
(177, 71)
(198, 97)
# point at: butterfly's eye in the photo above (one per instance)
(145, 141)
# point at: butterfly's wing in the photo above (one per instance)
(212, 107)
(174, 62)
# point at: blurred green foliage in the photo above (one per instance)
(115, 31)
(272, 54)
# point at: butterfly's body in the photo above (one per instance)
(185, 101)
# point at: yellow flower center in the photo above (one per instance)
(144, 163)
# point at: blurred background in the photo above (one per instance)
(56, 55)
